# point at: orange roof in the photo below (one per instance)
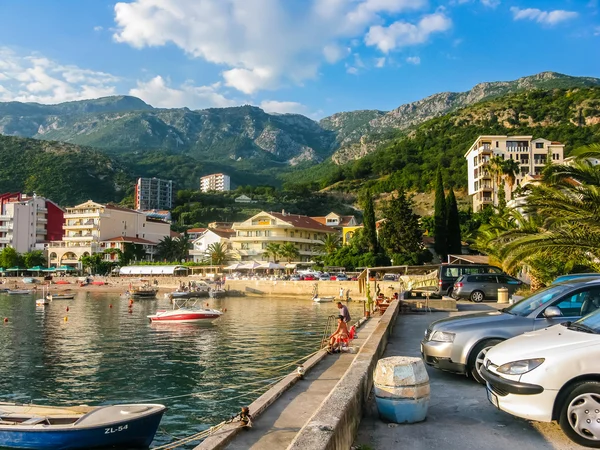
(175, 234)
(344, 220)
(196, 230)
(132, 240)
(223, 232)
(120, 208)
(301, 221)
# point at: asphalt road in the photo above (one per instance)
(460, 416)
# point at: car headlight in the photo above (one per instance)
(520, 367)
(442, 336)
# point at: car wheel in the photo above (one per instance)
(580, 414)
(477, 296)
(478, 356)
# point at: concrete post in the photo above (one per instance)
(502, 295)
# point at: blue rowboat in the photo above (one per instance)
(79, 427)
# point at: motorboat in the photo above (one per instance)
(318, 299)
(145, 291)
(185, 311)
(44, 300)
(217, 293)
(19, 291)
(63, 296)
(79, 427)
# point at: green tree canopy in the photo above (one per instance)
(439, 216)
(454, 242)
(369, 222)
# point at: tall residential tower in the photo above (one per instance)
(153, 193)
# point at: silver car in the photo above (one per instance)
(459, 344)
(484, 286)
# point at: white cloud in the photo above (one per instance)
(98, 28)
(157, 92)
(403, 34)
(490, 3)
(380, 62)
(413, 60)
(597, 31)
(261, 44)
(351, 70)
(274, 106)
(544, 17)
(34, 78)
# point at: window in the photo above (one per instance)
(291, 234)
(579, 303)
(539, 145)
(497, 144)
(245, 246)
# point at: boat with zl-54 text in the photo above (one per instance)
(79, 427)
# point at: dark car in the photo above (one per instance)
(449, 273)
(484, 286)
(341, 277)
(575, 277)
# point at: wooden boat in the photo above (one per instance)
(80, 427)
(185, 311)
(142, 292)
(19, 291)
(63, 296)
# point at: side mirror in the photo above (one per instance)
(551, 312)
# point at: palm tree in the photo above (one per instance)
(184, 243)
(218, 253)
(330, 244)
(494, 167)
(289, 251)
(272, 249)
(510, 169)
(167, 249)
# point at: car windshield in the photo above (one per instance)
(591, 322)
(533, 302)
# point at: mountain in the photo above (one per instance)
(125, 124)
(366, 136)
(66, 173)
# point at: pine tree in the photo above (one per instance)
(454, 239)
(370, 229)
(439, 217)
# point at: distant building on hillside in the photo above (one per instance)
(161, 214)
(244, 199)
(215, 182)
(153, 193)
(336, 221)
(26, 223)
(530, 154)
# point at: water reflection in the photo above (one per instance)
(103, 354)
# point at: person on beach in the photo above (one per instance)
(340, 333)
(344, 312)
(341, 292)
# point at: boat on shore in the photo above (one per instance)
(185, 311)
(79, 427)
(187, 294)
(19, 291)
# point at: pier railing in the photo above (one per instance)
(330, 327)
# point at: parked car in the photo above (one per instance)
(575, 276)
(309, 277)
(325, 277)
(296, 278)
(390, 277)
(459, 344)
(484, 286)
(341, 277)
(551, 374)
(449, 273)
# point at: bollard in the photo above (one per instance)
(502, 295)
(401, 388)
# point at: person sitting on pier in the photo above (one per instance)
(340, 333)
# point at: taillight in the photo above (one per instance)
(458, 285)
(440, 282)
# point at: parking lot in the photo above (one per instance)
(460, 416)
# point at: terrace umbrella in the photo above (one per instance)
(64, 268)
(1, 269)
(15, 269)
(270, 265)
(250, 265)
(35, 269)
(234, 266)
(49, 269)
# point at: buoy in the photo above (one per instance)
(67, 309)
(130, 302)
(207, 304)
(224, 309)
(110, 306)
(130, 310)
(6, 320)
(66, 319)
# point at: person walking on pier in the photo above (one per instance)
(344, 312)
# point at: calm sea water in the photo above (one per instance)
(104, 355)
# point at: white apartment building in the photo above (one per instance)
(93, 227)
(530, 154)
(153, 193)
(208, 237)
(215, 182)
(253, 235)
(26, 223)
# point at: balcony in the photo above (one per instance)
(249, 252)
(5, 217)
(89, 238)
(5, 240)
(89, 215)
(517, 149)
(275, 239)
(6, 227)
(41, 219)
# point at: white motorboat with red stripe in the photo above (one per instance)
(185, 311)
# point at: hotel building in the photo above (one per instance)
(530, 154)
(153, 194)
(254, 235)
(215, 182)
(93, 227)
(26, 223)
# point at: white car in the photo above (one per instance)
(551, 374)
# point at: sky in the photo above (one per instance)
(313, 57)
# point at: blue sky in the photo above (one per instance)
(315, 57)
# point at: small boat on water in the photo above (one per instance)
(65, 296)
(79, 427)
(317, 299)
(185, 311)
(19, 291)
(44, 300)
(145, 291)
(217, 293)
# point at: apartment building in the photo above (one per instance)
(215, 182)
(337, 221)
(153, 194)
(253, 235)
(27, 222)
(530, 154)
(93, 227)
(208, 237)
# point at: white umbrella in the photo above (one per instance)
(234, 266)
(270, 265)
(251, 265)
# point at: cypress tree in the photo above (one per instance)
(454, 240)
(369, 222)
(439, 217)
